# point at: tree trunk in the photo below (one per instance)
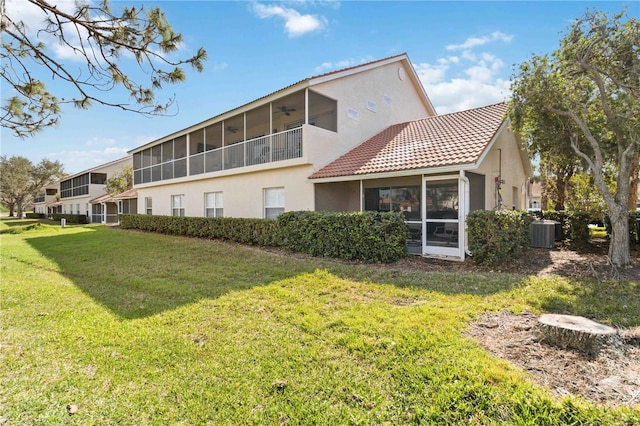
(544, 197)
(11, 209)
(579, 333)
(632, 202)
(619, 245)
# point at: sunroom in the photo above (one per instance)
(256, 134)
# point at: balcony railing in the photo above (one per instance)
(281, 146)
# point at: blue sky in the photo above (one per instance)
(464, 52)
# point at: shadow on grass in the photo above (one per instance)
(613, 302)
(12, 221)
(136, 274)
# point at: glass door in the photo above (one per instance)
(442, 221)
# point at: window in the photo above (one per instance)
(405, 199)
(98, 178)
(148, 205)
(74, 187)
(273, 202)
(213, 204)
(177, 205)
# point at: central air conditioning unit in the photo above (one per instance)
(543, 233)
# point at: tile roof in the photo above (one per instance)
(443, 140)
(129, 193)
(101, 199)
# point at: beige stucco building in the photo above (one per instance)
(362, 138)
(77, 192)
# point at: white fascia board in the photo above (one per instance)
(401, 173)
(96, 168)
(356, 69)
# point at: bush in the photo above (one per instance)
(574, 225)
(260, 232)
(369, 236)
(35, 215)
(496, 236)
(366, 236)
(577, 229)
(71, 218)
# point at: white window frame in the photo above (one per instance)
(213, 204)
(177, 205)
(273, 202)
(148, 205)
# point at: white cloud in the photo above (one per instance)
(95, 141)
(77, 161)
(472, 42)
(461, 94)
(296, 24)
(473, 79)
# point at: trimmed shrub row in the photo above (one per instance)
(369, 236)
(71, 218)
(35, 215)
(496, 236)
(258, 232)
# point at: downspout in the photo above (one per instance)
(361, 196)
(467, 207)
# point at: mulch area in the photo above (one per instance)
(612, 378)
(592, 263)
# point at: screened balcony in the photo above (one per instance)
(268, 133)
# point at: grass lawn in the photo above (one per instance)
(130, 328)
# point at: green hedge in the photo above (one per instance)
(35, 215)
(575, 226)
(260, 232)
(369, 236)
(496, 236)
(71, 218)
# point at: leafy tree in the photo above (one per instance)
(105, 41)
(120, 181)
(21, 180)
(591, 85)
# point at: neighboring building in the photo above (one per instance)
(333, 143)
(535, 196)
(78, 191)
(46, 201)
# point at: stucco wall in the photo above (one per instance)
(242, 193)
(511, 169)
(380, 97)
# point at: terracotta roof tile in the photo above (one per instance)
(442, 140)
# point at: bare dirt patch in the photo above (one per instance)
(613, 377)
(592, 263)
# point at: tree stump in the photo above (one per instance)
(579, 333)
